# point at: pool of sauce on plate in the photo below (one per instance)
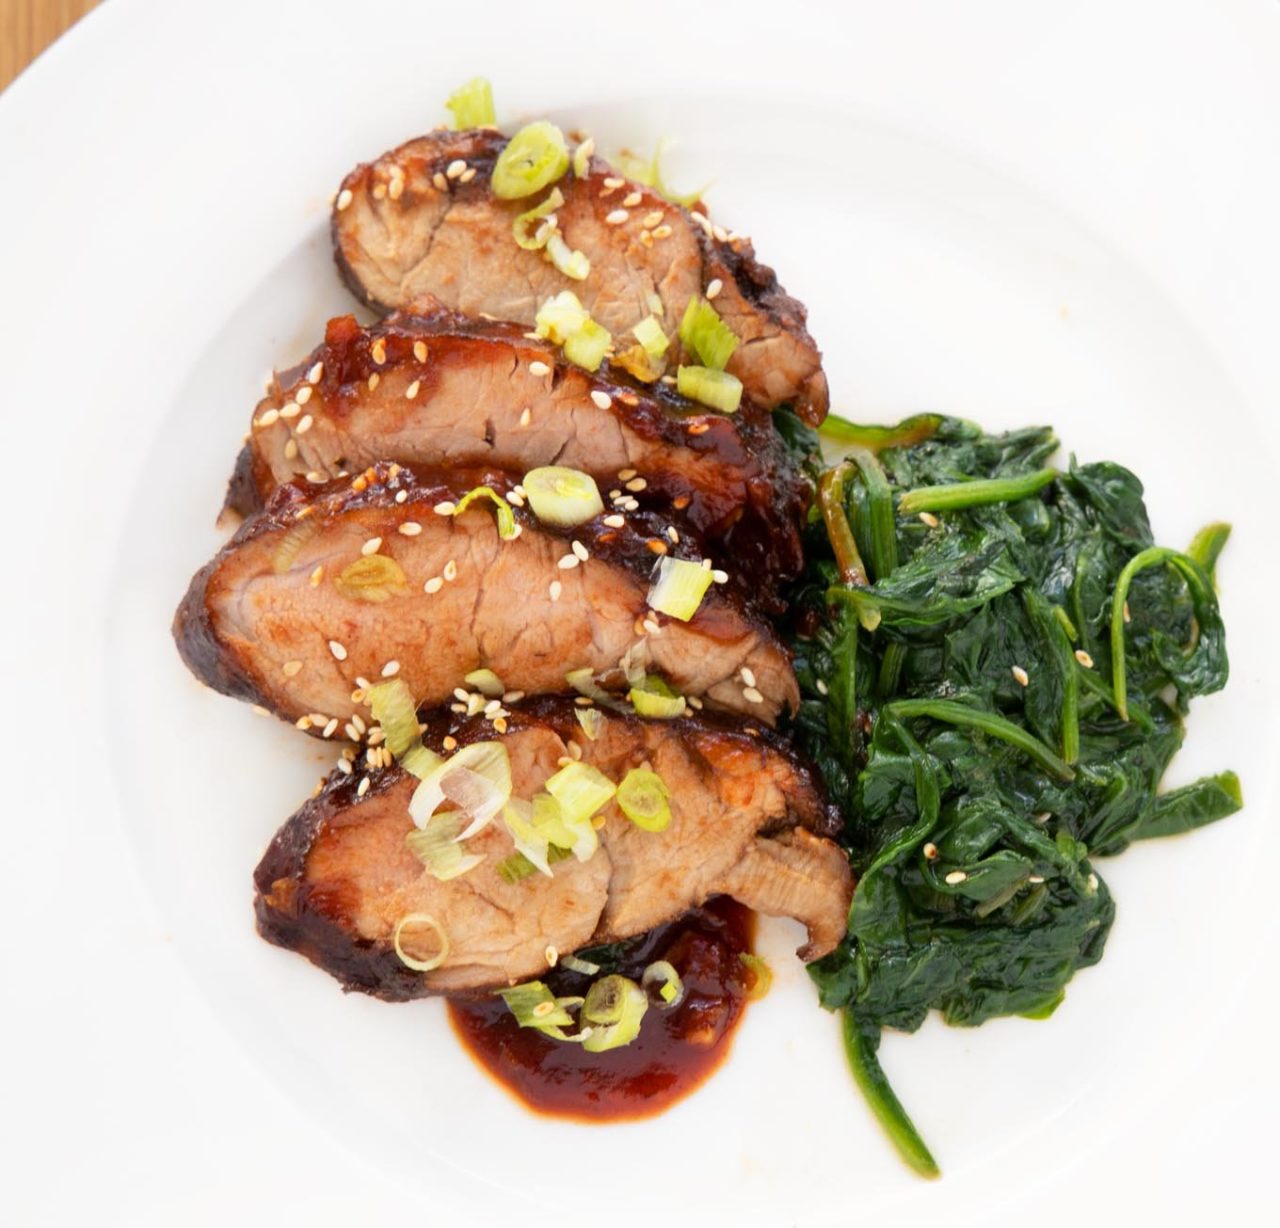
(677, 1049)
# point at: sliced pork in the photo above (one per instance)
(445, 391)
(331, 587)
(421, 225)
(339, 876)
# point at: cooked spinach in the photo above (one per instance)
(995, 660)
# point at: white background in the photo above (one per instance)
(1154, 124)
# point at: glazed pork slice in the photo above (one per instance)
(329, 588)
(447, 391)
(338, 877)
(421, 224)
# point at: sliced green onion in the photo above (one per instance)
(372, 577)
(535, 1006)
(506, 517)
(644, 798)
(584, 682)
(653, 698)
(394, 709)
(583, 966)
(476, 779)
(717, 389)
(563, 320)
(667, 979)
(518, 867)
(530, 840)
(650, 335)
(533, 237)
(649, 173)
(678, 588)
(582, 158)
(412, 961)
(588, 346)
(614, 1007)
(486, 682)
(535, 157)
(438, 848)
(636, 362)
(575, 833)
(705, 335)
(580, 790)
(761, 975)
(562, 497)
(419, 761)
(291, 542)
(567, 260)
(591, 720)
(471, 105)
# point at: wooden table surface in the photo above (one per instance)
(27, 27)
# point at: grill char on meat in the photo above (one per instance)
(406, 234)
(455, 392)
(262, 619)
(748, 821)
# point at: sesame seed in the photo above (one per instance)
(315, 477)
(461, 709)
(331, 728)
(450, 572)
(318, 718)
(651, 219)
(269, 418)
(568, 562)
(657, 545)
(434, 585)
(378, 351)
(1042, 818)
(351, 731)
(602, 400)
(1020, 675)
(291, 450)
(748, 676)
(441, 183)
(412, 390)
(673, 535)
(305, 424)
(290, 668)
(338, 650)
(373, 381)
(697, 428)
(356, 719)
(468, 175)
(930, 851)
(410, 528)
(525, 417)
(714, 287)
(372, 546)
(615, 522)
(449, 742)
(1084, 658)
(662, 232)
(303, 395)
(316, 373)
(637, 485)
(1092, 882)
(701, 219)
(260, 710)
(500, 724)
(344, 199)
(515, 498)
(420, 351)
(694, 702)
(539, 368)
(613, 182)
(290, 410)
(363, 787)
(651, 627)
(1127, 616)
(455, 168)
(631, 200)
(928, 518)
(391, 669)
(616, 218)
(626, 474)
(955, 877)
(445, 509)
(555, 589)
(344, 767)
(720, 234)
(822, 687)
(629, 505)
(303, 722)
(580, 550)
(1035, 878)
(751, 695)
(402, 496)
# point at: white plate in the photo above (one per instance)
(985, 217)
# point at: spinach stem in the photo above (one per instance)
(907, 432)
(1207, 545)
(831, 503)
(859, 1048)
(882, 528)
(956, 495)
(985, 722)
